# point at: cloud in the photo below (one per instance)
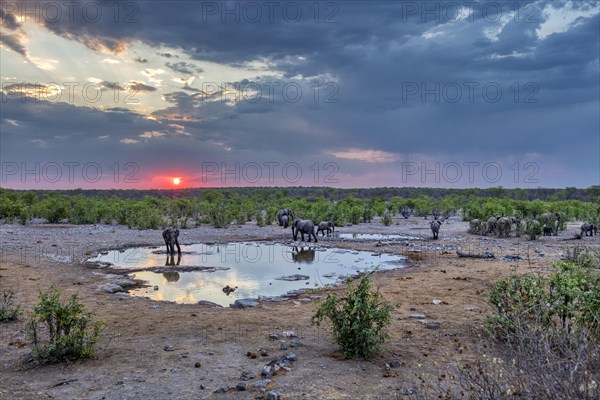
(129, 141)
(370, 156)
(184, 67)
(13, 42)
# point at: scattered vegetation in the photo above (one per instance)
(62, 331)
(8, 311)
(359, 318)
(222, 207)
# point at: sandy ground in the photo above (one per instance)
(132, 362)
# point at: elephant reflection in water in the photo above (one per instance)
(172, 276)
(303, 255)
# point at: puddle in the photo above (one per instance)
(257, 269)
(373, 236)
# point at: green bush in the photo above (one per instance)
(8, 311)
(387, 218)
(62, 331)
(359, 318)
(533, 229)
(566, 301)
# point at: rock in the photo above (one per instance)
(168, 347)
(244, 303)
(432, 325)
(247, 375)
(295, 277)
(436, 302)
(418, 316)
(241, 386)
(208, 303)
(394, 364)
(262, 383)
(469, 308)
(273, 336)
(202, 387)
(223, 388)
(155, 287)
(110, 288)
(295, 342)
(273, 396)
(282, 346)
(290, 357)
(198, 364)
(289, 334)
(251, 354)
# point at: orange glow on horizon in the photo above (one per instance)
(176, 181)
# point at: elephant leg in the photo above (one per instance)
(303, 236)
(178, 247)
(316, 241)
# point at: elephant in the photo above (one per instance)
(588, 228)
(285, 212)
(548, 230)
(303, 255)
(171, 260)
(170, 236)
(552, 220)
(476, 226)
(491, 225)
(435, 228)
(285, 221)
(325, 226)
(503, 227)
(303, 226)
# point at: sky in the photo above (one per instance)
(167, 94)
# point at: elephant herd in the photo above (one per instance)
(285, 217)
(550, 223)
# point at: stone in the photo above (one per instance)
(262, 383)
(394, 364)
(432, 325)
(198, 364)
(244, 303)
(247, 375)
(241, 386)
(223, 388)
(208, 303)
(418, 316)
(282, 346)
(289, 334)
(290, 357)
(273, 336)
(168, 347)
(273, 396)
(295, 342)
(436, 302)
(295, 277)
(110, 288)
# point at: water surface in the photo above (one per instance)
(252, 267)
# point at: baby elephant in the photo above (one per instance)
(170, 236)
(435, 228)
(589, 228)
(325, 226)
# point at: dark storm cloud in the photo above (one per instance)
(129, 86)
(8, 20)
(371, 57)
(13, 42)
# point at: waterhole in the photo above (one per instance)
(222, 273)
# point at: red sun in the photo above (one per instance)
(176, 181)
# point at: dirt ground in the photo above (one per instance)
(132, 362)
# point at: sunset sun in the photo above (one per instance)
(176, 181)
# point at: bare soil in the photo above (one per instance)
(132, 362)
